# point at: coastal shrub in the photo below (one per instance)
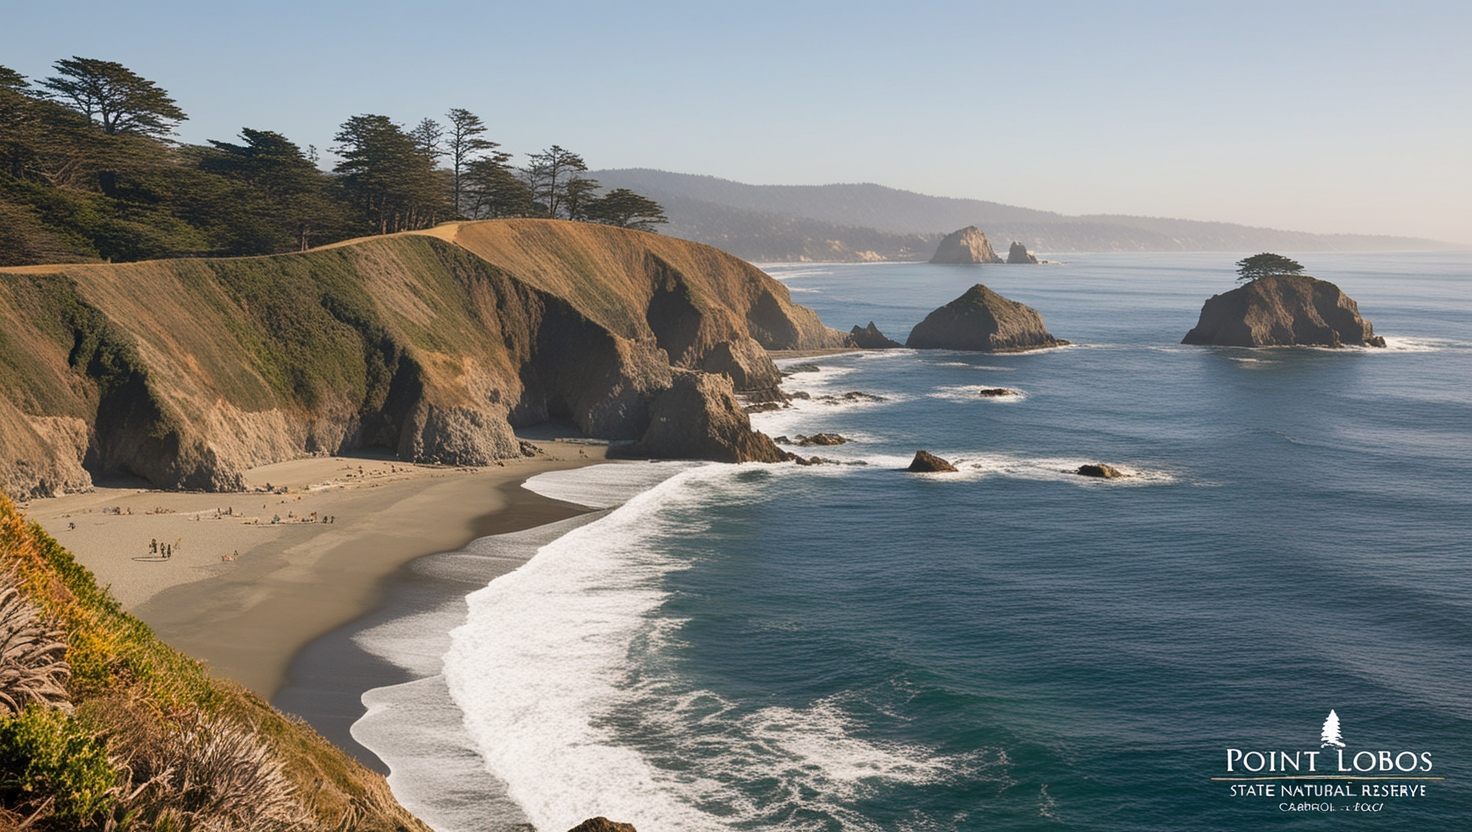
(53, 766)
(33, 666)
(198, 772)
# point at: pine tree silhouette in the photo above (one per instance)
(1330, 734)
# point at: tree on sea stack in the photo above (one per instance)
(1266, 265)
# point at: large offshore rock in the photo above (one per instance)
(1283, 310)
(1018, 253)
(698, 418)
(982, 320)
(968, 245)
(926, 462)
(870, 338)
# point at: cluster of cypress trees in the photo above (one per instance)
(89, 170)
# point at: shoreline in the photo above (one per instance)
(247, 595)
(326, 680)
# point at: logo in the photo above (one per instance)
(1330, 734)
(1311, 779)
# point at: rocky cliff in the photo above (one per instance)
(968, 245)
(435, 345)
(982, 320)
(1283, 310)
(1018, 254)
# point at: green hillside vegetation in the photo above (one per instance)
(131, 734)
(89, 171)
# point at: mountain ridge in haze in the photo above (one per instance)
(854, 222)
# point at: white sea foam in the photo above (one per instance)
(542, 655)
(1397, 343)
(972, 393)
(986, 367)
(416, 729)
(547, 671)
(974, 466)
(604, 486)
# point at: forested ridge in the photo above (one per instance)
(90, 170)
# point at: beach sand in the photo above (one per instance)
(254, 577)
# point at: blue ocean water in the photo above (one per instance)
(849, 646)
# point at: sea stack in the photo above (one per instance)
(1018, 253)
(870, 338)
(926, 462)
(982, 321)
(1283, 310)
(968, 245)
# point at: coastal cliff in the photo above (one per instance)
(435, 345)
(1283, 310)
(969, 245)
(982, 320)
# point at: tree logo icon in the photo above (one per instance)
(1330, 735)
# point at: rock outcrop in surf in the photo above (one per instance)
(982, 320)
(1018, 254)
(435, 345)
(870, 338)
(926, 462)
(969, 245)
(1099, 470)
(1283, 310)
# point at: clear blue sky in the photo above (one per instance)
(1319, 116)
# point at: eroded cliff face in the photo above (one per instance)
(1283, 310)
(982, 320)
(435, 345)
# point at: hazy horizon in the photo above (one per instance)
(1318, 117)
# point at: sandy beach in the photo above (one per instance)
(245, 580)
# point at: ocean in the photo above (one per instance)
(1012, 647)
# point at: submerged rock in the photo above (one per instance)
(982, 320)
(1283, 310)
(928, 463)
(850, 397)
(968, 245)
(995, 392)
(1100, 470)
(1018, 253)
(870, 338)
(824, 439)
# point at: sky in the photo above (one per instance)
(1330, 117)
